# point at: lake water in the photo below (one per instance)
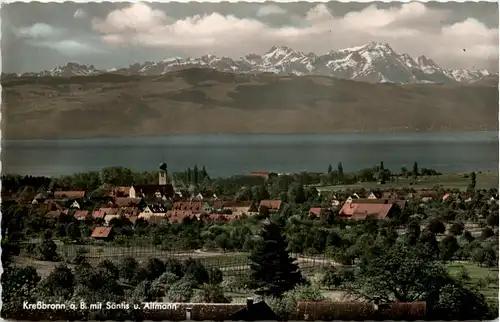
(242, 153)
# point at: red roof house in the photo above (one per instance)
(360, 211)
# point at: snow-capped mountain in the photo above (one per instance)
(70, 69)
(372, 62)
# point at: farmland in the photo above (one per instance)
(485, 180)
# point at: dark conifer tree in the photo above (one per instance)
(340, 169)
(196, 175)
(330, 168)
(272, 269)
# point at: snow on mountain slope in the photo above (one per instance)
(372, 62)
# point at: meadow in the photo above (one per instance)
(484, 180)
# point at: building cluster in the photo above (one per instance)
(163, 202)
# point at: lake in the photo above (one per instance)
(229, 154)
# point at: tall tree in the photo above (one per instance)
(415, 170)
(204, 173)
(340, 169)
(272, 269)
(330, 168)
(196, 174)
(189, 176)
(473, 180)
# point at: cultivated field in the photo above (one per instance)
(489, 277)
(484, 180)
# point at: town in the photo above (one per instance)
(119, 235)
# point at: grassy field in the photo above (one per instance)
(484, 180)
(476, 273)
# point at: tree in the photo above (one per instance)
(18, 285)
(413, 232)
(272, 269)
(210, 293)
(47, 250)
(340, 169)
(436, 226)
(128, 268)
(415, 170)
(487, 232)
(492, 220)
(180, 292)
(196, 174)
(448, 247)
(261, 193)
(330, 168)
(59, 283)
(154, 268)
(412, 275)
(296, 193)
(189, 176)
(457, 228)
(473, 180)
(80, 256)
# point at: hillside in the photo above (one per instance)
(209, 101)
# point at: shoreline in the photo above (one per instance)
(214, 134)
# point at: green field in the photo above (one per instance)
(484, 180)
(477, 273)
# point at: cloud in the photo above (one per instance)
(68, 47)
(269, 10)
(412, 28)
(80, 13)
(38, 30)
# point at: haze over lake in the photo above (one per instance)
(225, 154)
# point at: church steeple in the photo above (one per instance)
(163, 174)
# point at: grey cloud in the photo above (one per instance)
(39, 30)
(269, 10)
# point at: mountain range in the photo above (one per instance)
(373, 62)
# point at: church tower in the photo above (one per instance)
(163, 175)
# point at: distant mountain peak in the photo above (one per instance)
(374, 61)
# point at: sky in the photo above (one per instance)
(40, 36)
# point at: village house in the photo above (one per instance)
(81, 214)
(130, 211)
(180, 216)
(108, 218)
(375, 195)
(53, 214)
(261, 174)
(272, 205)
(69, 195)
(39, 198)
(360, 211)
(317, 212)
(352, 197)
(195, 207)
(151, 191)
(75, 204)
(217, 217)
(102, 233)
(51, 204)
(400, 203)
(153, 210)
(121, 202)
(393, 195)
(99, 214)
(237, 208)
(119, 192)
